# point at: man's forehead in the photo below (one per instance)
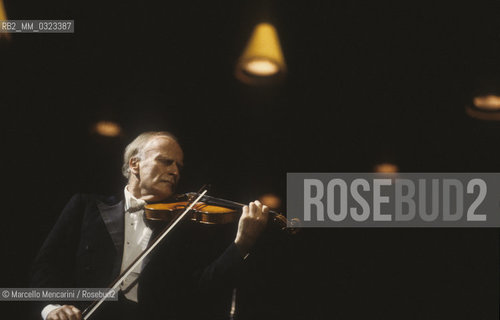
(162, 143)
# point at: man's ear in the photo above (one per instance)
(133, 165)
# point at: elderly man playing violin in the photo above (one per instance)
(96, 238)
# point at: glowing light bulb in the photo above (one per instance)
(488, 102)
(261, 67)
(271, 200)
(386, 168)
(108, 128)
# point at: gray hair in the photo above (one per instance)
(134, 149)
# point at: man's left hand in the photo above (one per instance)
(252, 223)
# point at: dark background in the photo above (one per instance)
(367, 82)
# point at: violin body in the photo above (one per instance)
(201, 212)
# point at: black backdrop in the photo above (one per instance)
(367, 82)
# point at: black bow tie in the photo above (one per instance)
(135, 208)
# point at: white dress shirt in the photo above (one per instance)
(137, 235)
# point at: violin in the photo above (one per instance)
(210, 210)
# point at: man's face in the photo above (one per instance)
(159, 168)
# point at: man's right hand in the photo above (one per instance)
(66, 312)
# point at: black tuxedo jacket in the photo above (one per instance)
(190, 275)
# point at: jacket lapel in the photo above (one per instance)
(114, 221)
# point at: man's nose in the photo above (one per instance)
(174, 169)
